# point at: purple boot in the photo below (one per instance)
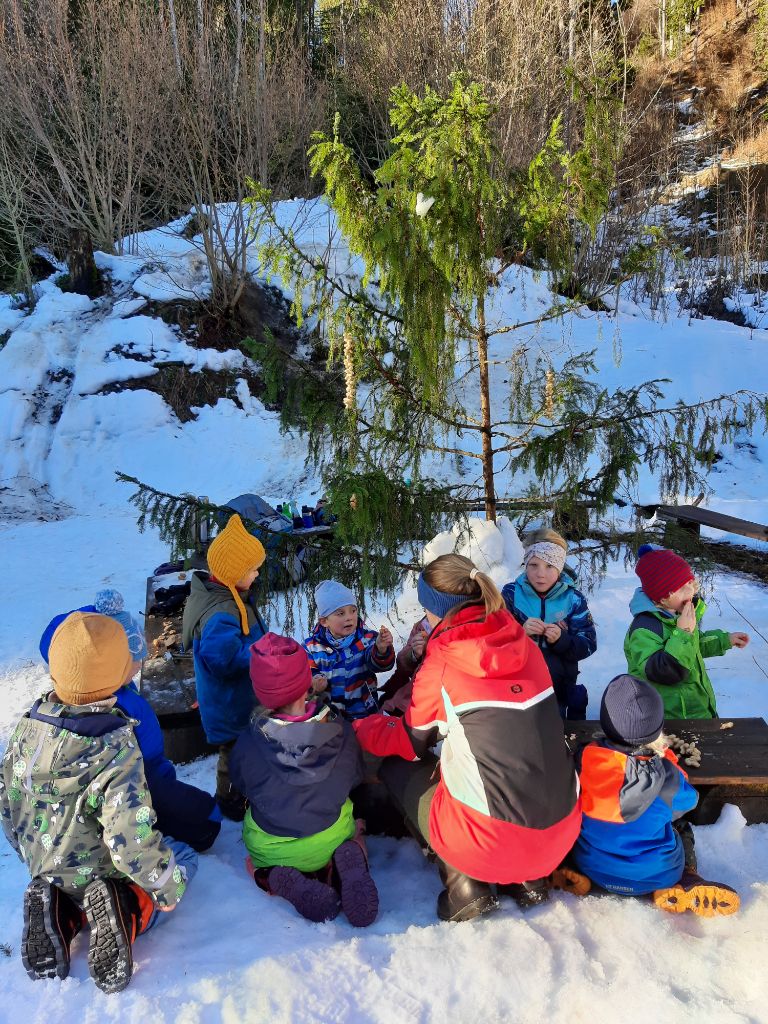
(314, 900)
(359, 896)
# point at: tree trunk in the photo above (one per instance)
(83, 275)
(485, 413)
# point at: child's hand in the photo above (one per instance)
(739, 639)
(686, 620)
(534, 627)
(319, 683)
(384, 640)
(553, 632)
(418, 644)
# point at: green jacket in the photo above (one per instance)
(74, 802)
(672, 659)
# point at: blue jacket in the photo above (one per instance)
(296, 775)
(562, 603)
(629, 801)
(183, 811)
(350, 664)
(211, 627)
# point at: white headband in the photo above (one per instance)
(548, 552)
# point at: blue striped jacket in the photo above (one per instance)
(350, 668)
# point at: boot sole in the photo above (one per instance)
(706, 899)
(359, 895)
(568, 880)
(314, 900)
(110, 959)
(44, 952)
(482, 905)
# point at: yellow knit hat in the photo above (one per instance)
(232, 554)
(89, 658)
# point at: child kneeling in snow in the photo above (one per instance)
(187, 813)
(345, 653)
(296, 765)
(554, 614)
(74, 806)
(633, 791)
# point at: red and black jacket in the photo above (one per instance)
(507, 806)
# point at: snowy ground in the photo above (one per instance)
(230, 953)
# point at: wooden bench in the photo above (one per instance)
(168, 683)
(692, 518)
(734, 763)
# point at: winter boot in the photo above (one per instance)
(569, 880)
(113, 913)
(463, 897)
(527, 894)
(313, 899)
(685, 831)
(359, 895)
(51, 921)
(705, 899)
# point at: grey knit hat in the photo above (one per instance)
(631, 711)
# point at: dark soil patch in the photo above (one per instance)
(185, 390)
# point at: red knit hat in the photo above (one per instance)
(661, 572)
(280, 671)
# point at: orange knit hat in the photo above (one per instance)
(232, 554)
(89, 658)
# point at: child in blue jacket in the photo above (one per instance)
(183, 811)
(219, 625)
(555, 615)
(345, 655)
(634, 794)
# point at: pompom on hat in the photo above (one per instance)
(631, 711)
(111, 602)
(661, 572)
(280, 670)
(89, 658)
(232, 554)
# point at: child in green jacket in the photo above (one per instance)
(664, 643)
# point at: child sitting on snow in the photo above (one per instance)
(183, 811)
(346, 654)
(632, 791)
(664, 643)
(74, 806)
(554, 614)
(296, 764)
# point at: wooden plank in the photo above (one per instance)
(729, 757)
(715, 520)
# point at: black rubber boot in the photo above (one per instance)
(51, 921)
(685, 831)
(527, 894)
(112, 910)
(463, 897)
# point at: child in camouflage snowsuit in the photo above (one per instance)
(74, 805)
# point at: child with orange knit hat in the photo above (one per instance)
(220, 624)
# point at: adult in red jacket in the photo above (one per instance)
(505, 808)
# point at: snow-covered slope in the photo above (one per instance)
(230, 953)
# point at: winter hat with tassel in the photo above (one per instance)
(232, 554)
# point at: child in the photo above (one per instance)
(632, 791)
(664, 643)
(220, 623)
(345, 653)
(187, 813)
(297, 765)
(554, 614)
(74, 806)
(396, 692)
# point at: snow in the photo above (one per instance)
(230, 952)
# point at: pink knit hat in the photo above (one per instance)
(661, 572)
(280, 671)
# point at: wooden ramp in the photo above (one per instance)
(693, 517)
